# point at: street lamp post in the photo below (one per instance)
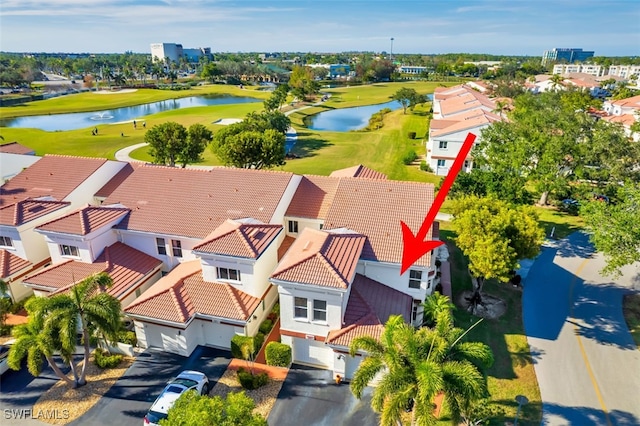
(391, 54)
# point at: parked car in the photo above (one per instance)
(187, 380)
(4, 353)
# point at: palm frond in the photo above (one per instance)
(367, 371)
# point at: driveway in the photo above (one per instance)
(130, 397)
(310, 397)
(586, 362)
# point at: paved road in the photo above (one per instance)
(310, 397)
(587, 364)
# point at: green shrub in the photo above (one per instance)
(258, 341)
(266, 326)
(252, 381)
(18, 306)
(238, 341)
(411, 135)
(409, 157)
(425, 167)
(278, 354)
(276, 309)
(127, 337)
(5, 330)
(103, 359)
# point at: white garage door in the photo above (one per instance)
(217, 334)
(351, 365)
(312, 352)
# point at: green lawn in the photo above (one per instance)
(563, 223)
(512, 373)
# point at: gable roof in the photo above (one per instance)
(10, 264)
(115, 181)
(358, 171)
(374, 208)
(368, 309)
(468, 120)
(16, 148)
(125, 265)
(183, 294)
(234, 238)
(632, 102)
(313, 197)
(192, 203)
(55, 176)
(321, 258)
(24, 211)
(85, 221)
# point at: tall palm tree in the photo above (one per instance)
(433, 305)
(415, 365)
(85, 307)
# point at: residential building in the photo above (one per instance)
(412, 69)
(457, 111)
(49, 188)
(12, 164)
(624, 71)
(569, 55)
(624, 112)
(591, 69)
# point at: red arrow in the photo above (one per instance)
(414, 245)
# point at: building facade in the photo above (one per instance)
(569, 55)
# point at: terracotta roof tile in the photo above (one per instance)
(53, 175)
(10, 264)
(116, 180)
(16, 148)
(632, 102)
(358, 171)
(85, 221)
(374, 208)
(183, 294)
(625, 119)
(321, 258)
(126, 266)
(24, 211)
(192, 203)
(468, 120)
(313, 197)
(234, 238)
(369, 307)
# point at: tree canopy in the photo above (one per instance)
(172, 143)
(257, 142)
(302, 82)
(408, 98)
(192, 409)
(615, 229)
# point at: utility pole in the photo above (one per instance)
(391, 54)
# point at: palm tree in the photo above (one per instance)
(54, 324)
(433, 305)
(557, 81)
(36, 343)
(85, 307)
(416, 365)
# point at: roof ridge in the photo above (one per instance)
(50, 268)
(234, 298)
(245, 239)
(76, 156)
(341, 280)
(4, 262)
(84, 219)
(176, 301)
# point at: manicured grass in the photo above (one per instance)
(377, 93)
(512, 373)
(631, 309)
(564, 223)
(92, 101)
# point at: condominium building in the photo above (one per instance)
(624, 71)
(591, 69)
(174, 52)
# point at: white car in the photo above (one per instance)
(187, 380)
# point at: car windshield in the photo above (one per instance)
(187, 383)
(155, 417)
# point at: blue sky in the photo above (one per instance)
(610, 28)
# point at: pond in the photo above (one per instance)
(81, 120)
(346, 119)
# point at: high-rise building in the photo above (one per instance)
(568, 55)
(161, 51)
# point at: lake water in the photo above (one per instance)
(81, 120)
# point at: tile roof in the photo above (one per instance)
(16, 148)
(183, 294)
(625, 119)
(465, 101)
(358, 171)
(116, 180)
(374, 208)
(369, 307)
(313, 197)
(85, 221)
(53, 175)
(192, 203)
(321, 258)
(125, 265)
(16, 214)
(632, 102)
(10, 264)
(234, 238)
(468, 120)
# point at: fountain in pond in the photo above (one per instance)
(102, 116)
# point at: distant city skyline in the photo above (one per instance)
(610, 28)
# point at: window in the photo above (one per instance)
(68, 250)
(160, 244)
(415, 277)
(228, 274)
(441, 163)
(176, 247)
(466, 164)
(319, 310)
(443, 145)
(6, 241)
(293, 226)
(300, 308)
(414, 310)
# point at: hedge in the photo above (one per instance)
(128, 337)
(103, 359)
(238, 341)
(278, 354)
(266, 326)
(251, 381)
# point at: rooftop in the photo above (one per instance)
(313, 197)
(10, 264)
(85, 221)
(358, 171)
(235, 238)
(16, 148)
(24, 211)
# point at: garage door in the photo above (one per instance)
(312, 352)
(351, 365)
(217, 334)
